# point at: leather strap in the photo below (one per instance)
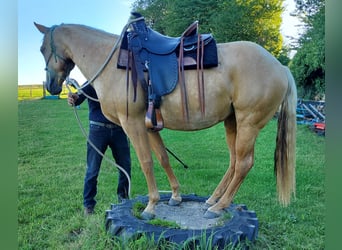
(127, 81)
(184, 95)
(152, 112)
(153, 118)
(200, 73)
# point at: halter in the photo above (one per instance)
(55, 55)
(53, 50)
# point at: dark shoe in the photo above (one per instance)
(88, 211)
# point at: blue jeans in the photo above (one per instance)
(102, 137)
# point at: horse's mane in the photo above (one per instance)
(91, 30)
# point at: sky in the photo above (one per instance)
(108, 15)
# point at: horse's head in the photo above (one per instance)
(58, 64)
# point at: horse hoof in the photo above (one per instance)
(147, 216)
(211, 215)
(173, 202)
(207, 205)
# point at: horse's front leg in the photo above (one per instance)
(139, 139)
(158, 148)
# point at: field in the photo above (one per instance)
(51, 167)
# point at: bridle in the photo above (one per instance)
(53, 48)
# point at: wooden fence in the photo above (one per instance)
(37, 91)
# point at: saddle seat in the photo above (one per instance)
(159, 44)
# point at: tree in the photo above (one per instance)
(253, 20)
(309, 8)
(154, 12)
(308, 65)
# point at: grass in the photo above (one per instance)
(51, 167)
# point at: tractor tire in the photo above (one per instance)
(242, 225)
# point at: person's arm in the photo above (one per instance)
(75, 99)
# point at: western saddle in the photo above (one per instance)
(164, 59)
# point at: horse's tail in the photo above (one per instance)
(285, 152)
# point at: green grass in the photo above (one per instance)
(51, 167)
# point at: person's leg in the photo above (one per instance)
(97, 136)
(121, 153)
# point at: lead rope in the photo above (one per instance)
(84, 132)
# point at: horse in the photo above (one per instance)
(247, 89)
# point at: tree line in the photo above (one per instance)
(251, 20)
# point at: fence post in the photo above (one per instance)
(44, 90)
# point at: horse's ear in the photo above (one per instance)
(41, 28)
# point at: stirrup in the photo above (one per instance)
(153, 119)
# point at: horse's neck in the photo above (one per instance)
(89, 48)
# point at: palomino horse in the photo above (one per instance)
(245, 91)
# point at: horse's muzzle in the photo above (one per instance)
(53, 85)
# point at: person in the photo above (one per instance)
(103, 134)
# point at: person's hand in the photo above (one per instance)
(72, 98)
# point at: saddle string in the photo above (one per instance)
(84, 132)
(184, 95)
(200, 77)
(200, 73)
(127, 84)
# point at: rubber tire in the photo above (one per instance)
(243, 225)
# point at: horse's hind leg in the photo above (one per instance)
(158, 148)
(230, 126)
(245, 141)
